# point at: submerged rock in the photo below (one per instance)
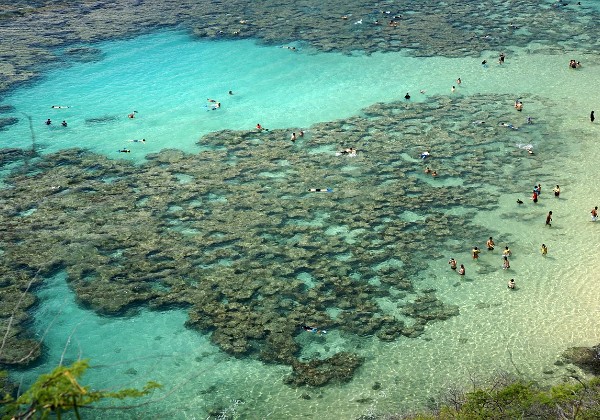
(587, 358)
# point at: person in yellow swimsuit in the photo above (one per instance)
(544, 250)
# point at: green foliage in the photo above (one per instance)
(59, 391)
(520, 399)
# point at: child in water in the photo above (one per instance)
(544, 250)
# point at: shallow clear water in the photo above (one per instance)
(167, 77)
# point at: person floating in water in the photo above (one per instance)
(425, 155)
(511, 284)
(544, 250)
(138, 141)
(315, 330)
(490, 244)
(124, 151)
(64, 123)
(48, 121)
(452, 263)
(549, 219)
(59, 107)
(508, 125)
(349, 151)
(328, 190)
(132, 115)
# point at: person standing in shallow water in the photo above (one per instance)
(549, 219)
(594, 213)
(592, 118)
(544, 250)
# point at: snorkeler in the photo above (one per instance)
(138, 141)
(313, 329)
(328, 190)
(124, 151)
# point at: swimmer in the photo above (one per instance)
(216, 105)
(556, 191)
(461, 270)
(124, 151)
(259, 127)
(328, 190)
(64, 123)
(592, 118)
(484, 63)
(422, 91)
(549, 219)
(301, 133)
(231, 92)
(48, 121)
(544, 250)
(211, 100)
(453, 89)
(518, 105)
(490, 244)
(433, 173)
(519, 201)
(138, 141)
(349, 151)
(293, 138)
(59, 107)
(508, 125)
(475, 253)
(505, 263)
(530, 151)
(594, 213)
(452, 263)
(501, 58)
(529, 120)
(506, 252)
(511, 284)
(427, 170)
(407, 96)
(478, 122)
(458, 81)
(313, 329)
(425, 155)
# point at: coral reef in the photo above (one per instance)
(33, 31)
(587, 358)
(253, 256)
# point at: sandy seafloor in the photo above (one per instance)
(524, 332)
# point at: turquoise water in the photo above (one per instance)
(167, 77)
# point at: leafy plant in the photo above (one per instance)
(59, 392)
